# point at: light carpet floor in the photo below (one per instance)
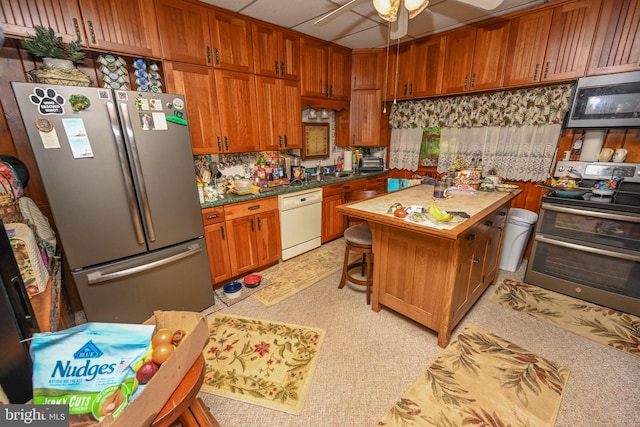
(368, 360)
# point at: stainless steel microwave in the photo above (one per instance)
(609, 101)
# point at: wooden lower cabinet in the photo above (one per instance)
(242, 237)
(333, 223)
(254, 234)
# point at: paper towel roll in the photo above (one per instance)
(348, 161)
(591, 145)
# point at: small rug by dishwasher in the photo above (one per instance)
(599, 324)
(296, 274)
(482, 379)
(261, 362)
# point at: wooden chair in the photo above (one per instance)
(358, 238)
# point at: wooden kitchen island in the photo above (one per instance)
(434, 275)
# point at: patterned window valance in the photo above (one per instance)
(522, 107)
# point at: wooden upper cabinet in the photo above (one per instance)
(313, 64)
(276, 53)
(616, 47)
(18, 17)
(527, 46)
(367, 69)
(197, 83)
(231, 42)
(339, 73)
(279, 118)
(570, 37)
(457, 61)
(184, 32)
(292, 119)
(325, 70)
(489, 55)
(428, 60)
(237, 104)
(127, 26)
(366, 116)
(475, 58)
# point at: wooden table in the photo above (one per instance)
(432, 275)
(184, 405)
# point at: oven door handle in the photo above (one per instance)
(603, 215)
(612, 254)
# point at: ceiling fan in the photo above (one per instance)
(398, 15)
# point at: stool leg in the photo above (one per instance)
(369, 277)
(344, 268)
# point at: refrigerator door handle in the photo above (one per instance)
(99, 277)
(122, 156)
(138, 171)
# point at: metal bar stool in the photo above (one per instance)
(358, 239)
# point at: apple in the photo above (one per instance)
(146, 372)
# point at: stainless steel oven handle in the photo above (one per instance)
(604, 215)
(612, 254)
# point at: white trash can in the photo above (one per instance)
(516, 236)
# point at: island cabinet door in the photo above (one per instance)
(471, 252)
(412, 273)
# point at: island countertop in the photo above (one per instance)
(478, 205)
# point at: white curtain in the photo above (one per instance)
(522, 153)
(404, 149)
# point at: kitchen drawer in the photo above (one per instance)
(212, 215)
(238, 210)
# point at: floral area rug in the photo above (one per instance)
(482, 379)
(261, 362)
(600, 324)
(296, 274)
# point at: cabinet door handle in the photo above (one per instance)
(76, 27)
(208, 54)
(253, 228)
(331, 90)
(326, 91)
(488, 223)
(93, 34)
(502, 213)
(286, 142)
(259, 224)
(212, 216)
(222, 233)
(253, 208)
(473, 80)
(219, 143)
(535, 73)
(226, 143)
(346, 187)
(355, 79)
(282, 69)
(405, 89)
(216, 55)
(280, 140)
(476, 260)
(410, 89)
(466, 82)
(471, 237)
(546, 69)
(277, 69)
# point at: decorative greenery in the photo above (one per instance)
(46, 44)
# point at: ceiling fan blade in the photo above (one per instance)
(338, 12)
(400, 26)
(483, 4)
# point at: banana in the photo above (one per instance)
(438, 215)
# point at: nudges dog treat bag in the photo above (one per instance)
(89, 367)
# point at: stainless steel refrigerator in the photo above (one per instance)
(119, 175)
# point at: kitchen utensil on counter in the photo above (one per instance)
(570, 193)
(620, 155)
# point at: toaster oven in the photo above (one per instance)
(371, 164)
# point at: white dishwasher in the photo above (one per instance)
(300, 221)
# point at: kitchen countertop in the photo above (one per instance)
(291, 188)
(477, 205)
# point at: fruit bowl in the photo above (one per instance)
(252, 280)
(232, 290)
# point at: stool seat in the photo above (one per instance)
(358, 239)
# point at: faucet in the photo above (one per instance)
(318, 173)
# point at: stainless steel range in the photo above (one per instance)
(589, 247)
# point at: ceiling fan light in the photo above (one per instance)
(415, 7)
(387, 9)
